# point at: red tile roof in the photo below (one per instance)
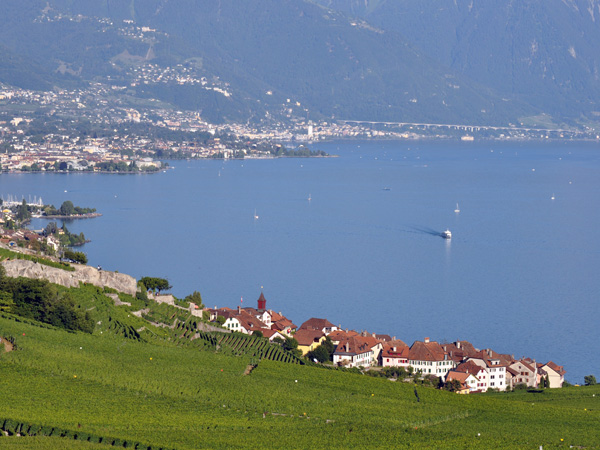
(488, 355)
(402, 350)
(427, 351)
(316, 324)
(371, 341)
(512, 371)
(269, 333)
(469, 367)
(527, 364)
(337, 335)
(558, 369)
(384, 337)
(460, 376)
(308, 337)
(460, 350)
(353, 345)
(282, 324)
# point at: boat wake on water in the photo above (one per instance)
(426, 230)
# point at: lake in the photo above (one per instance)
(520, 274)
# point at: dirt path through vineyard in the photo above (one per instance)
(7, 345)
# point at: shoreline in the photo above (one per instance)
(80, 216)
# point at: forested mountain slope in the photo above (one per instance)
(266, 51)
(545, 52)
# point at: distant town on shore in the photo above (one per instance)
(87, 130)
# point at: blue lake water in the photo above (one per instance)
(520, 274)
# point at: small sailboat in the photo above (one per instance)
(457, 210)
(309, 197)
(553, 197)
(255, 215)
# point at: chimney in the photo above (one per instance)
(489, 352)
(457, 344)
(427, 340)
(394, 338)
(239, 309)
(347, 348)
(373, 334)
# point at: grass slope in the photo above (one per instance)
(185, 398)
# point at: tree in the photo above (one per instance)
(78, 257)
(589, 380)
(23, 212)
(291, 345)
(220, 320)
(257, 333)
(40, 300)
(51, 229)
(320, 354)
(195, 298)
(328, 344)
(156, 284)
(452, 385)
(142, 294)
(324, 352)
(67, 208)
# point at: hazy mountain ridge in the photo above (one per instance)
(546, 52)
(426, 61)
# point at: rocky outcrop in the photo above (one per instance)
(117, 300)
(163, 298)
(83, 274)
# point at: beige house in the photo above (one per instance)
(526, 372)
(555, 373)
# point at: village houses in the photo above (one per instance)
(475, 370)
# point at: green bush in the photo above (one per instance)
(78, 257)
